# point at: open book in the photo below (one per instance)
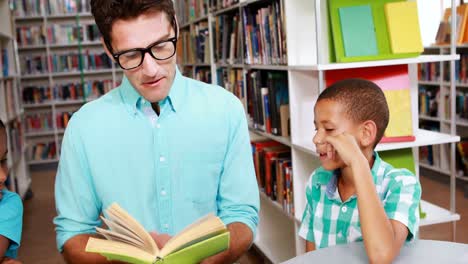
(128, 241)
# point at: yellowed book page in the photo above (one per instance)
(203, 228)
(117, 212)
(110, 235)
(121, 229)
(110, 247)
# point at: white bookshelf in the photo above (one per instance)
(308, 60)
(11, 110)
(436, 214)
(51, 79)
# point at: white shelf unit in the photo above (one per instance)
(11, 110)
(443, 120)
(50, 79)
(307, 63)
(308, 54)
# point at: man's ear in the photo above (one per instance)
(368, 133)
(106, 49)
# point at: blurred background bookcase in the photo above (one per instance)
(435, 97)
(63, 66)
(11, 110)
(291, 39)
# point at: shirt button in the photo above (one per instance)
(153, 119)
(163, 193)
(162, 159)
(340, 235)
(158, 125)
(344, 209)
(166, 226)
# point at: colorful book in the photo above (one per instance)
(395, 83)
(128, 241)
(399, 105)
(403, 27)
(358, 30)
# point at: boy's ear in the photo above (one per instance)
(368, 132)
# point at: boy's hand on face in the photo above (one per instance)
(346, 147)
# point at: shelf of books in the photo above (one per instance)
(435, 98)
(63, 66)
(277, 56)
(11, 110)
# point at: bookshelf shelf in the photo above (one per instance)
(68, 16)
(38, 105)
(436, 214)
(197, 20)
(15, 116)
(74, 45)
(32, 47)
(69, 102)
(227, 65)
(278, 207)
(459, 122)
(433, 168)
(41, 162)
(40, 133)
(9, 77)
(5, 36)
(420, 59)
(423, 138)
(28, 18)
(435, 83)
(430, 118)
(227, 9)
(34, 76)
(267, 67)
(283, 140)
(441, 171)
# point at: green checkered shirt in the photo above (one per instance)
(328, 221)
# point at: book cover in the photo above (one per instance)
(358, 31)
(395, 83)
(127, 240)
(403, 27)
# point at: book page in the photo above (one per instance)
(118, 251)
(117, 214)
(203, 228)
(110, 235)
(119, 227)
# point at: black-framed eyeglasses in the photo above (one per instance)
(160, 50)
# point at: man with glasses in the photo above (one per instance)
(167, 148)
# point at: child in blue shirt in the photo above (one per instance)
(11, 210)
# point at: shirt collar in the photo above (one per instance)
(135, 101)
(330, 178)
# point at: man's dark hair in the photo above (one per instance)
(106, 12)
(362, 100)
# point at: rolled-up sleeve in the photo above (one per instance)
(238, 195)
(77, 205)
(402, 200)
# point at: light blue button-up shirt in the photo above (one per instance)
(168, 171)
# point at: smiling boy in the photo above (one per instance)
(355, 195)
